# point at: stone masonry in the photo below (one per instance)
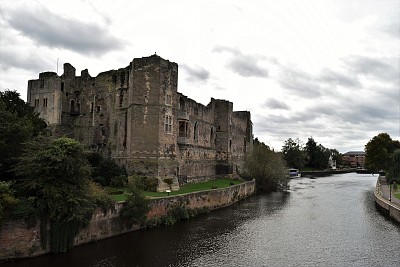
(136, 116)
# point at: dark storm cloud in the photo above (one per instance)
(245, 65)
(385, 69)
(276, 104)
(52, 30)
(195, 74)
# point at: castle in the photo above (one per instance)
(136, 116)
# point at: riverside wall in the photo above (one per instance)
(18, 240)
(388, 208)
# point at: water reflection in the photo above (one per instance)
(329, 221)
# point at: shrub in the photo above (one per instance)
(231, 183)
(179, 213)
(136, 207)
(168, 181)
(101, 198)
(394, 186)
(214, 187)
(151, 184)
(153, 222)
(119, 181)
(25, 209)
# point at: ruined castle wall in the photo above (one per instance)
(45, 95)
(240, 138)
(136, 116)
(144, 116)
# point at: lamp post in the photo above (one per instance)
(390, 192)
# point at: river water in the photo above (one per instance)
(328, 221)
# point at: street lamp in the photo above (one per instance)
(390, 192)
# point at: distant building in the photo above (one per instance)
(137, 116)
(354, 159)
(332, 163)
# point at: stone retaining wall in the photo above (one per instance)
(387, 207)
(17, 240)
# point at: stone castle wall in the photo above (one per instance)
(18, 240)
(137, 116)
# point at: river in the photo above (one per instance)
(328, 221)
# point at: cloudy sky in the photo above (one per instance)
(326, 69)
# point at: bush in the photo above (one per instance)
(25, 209)
(113, 191)
(119, 181)
(394, 186)
(136, 207)
(179, 213)
(151, 184)
(153, 222)
(101, 198)
(168, 181)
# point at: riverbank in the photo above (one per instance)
(18, 240)
(325, 173)
(388, 204)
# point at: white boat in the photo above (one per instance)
(294, 173)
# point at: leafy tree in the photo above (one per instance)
(105, 170)
(394, 171)
(136, 207)
(57, 174)
(293, 153)
(266, 167)
(311, 150)
(7, 199)
(317, 155)
(378, 152)
(18, 124)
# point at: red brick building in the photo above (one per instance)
(354, 159)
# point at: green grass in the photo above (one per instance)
(189, 188)
(119, 197)
(397, 194)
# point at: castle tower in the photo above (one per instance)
(152, 118)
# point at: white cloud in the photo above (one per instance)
(327, 69)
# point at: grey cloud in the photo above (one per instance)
(51, 30)
(28, 61)
(384, 69)
(335, 78)
(245, 65)
(195, 74)
(392, 29)
(299, 83)
(276, 104)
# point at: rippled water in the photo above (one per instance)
(329, 221)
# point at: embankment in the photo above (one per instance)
(385, 206)
(17, 240)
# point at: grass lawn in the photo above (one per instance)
(397, 194)
(189, 188)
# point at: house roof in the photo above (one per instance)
(354, 153)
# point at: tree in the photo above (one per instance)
(293, 153)
(394, 170)
(19, 123)
(378, 152)
(136, 207)
(7, 199)
(57, 174)
(266, 167)
(311, 150)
